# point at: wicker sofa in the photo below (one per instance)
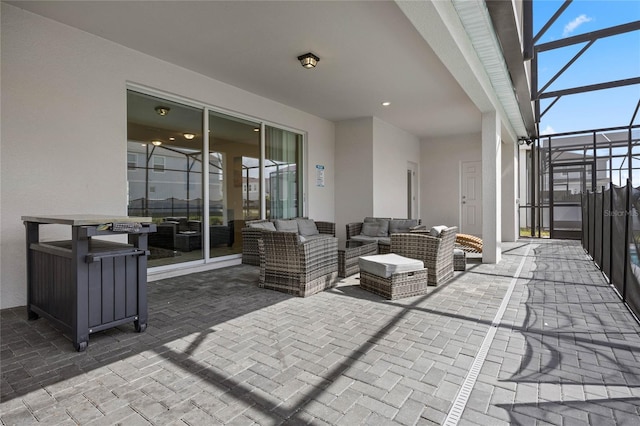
(435, 251)
(379, 229)
(301, 268)
(254, 229)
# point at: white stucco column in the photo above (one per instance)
(510, 225)
(491, 188)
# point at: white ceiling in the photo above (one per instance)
(369, 53)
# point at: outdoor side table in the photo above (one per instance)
(85, 285)
(348, 253)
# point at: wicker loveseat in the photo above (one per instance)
(379, 229)
(253, 230)
(301, 268)
(435, 252)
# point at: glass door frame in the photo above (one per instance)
(206, 109)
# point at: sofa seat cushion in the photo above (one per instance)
(367, 239)
(364, 238)
(304, 238)
(386, 265)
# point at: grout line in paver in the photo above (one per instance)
(472, 376)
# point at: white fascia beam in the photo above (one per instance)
(442, 27)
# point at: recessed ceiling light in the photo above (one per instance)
(156, 143)
(189, 136)
(386, 103)
(256, 129)
(172, 138)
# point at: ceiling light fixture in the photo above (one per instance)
(162, 110)
(308, 60)
(156, 143)
(189, 136)
(256, 129)
(386, 103)
(172, 138)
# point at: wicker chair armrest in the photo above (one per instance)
(250, 237)
(326, 227)
(416, 246)
(353, 229)
(319, 254)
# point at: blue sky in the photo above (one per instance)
(611, 58)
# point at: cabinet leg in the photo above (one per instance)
(140, 326)
(81, 346)
(31, 316)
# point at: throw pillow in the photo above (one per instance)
(287, 225)
(307, 227)
(436, 230)
(401, 225)
(370, 229)
(383, 231)
(268, 226)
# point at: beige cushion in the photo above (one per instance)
(436, 230)
(375, 227)
(385, 265)
(263, 225)
(401, 225)
(307, 227)
(287, 225)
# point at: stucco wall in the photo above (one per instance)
(393, 149)
(64, 128)
(371, 170)
(440, 176)
(510, 229)
(354, 171)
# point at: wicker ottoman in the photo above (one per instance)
(392, 276)
(459, 260)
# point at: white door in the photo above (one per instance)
(471, 198)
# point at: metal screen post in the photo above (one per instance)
(610, 233)
(602, 232)
(626, 239)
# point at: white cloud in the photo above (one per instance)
(573, 25)
(547, 130)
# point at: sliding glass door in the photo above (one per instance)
(234, 180)
(199, 219)
(283, 161)
(164, 175)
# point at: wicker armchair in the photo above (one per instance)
(250, 237)
(294, 267)
(435, 252)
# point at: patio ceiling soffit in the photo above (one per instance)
(461, 33)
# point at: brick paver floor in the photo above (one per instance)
(554, 346)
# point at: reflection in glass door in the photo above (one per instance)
(165, 168)
(568, 182)
(234, 180)
(283, 165)
(164, 175)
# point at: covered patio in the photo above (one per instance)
(538, 338)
